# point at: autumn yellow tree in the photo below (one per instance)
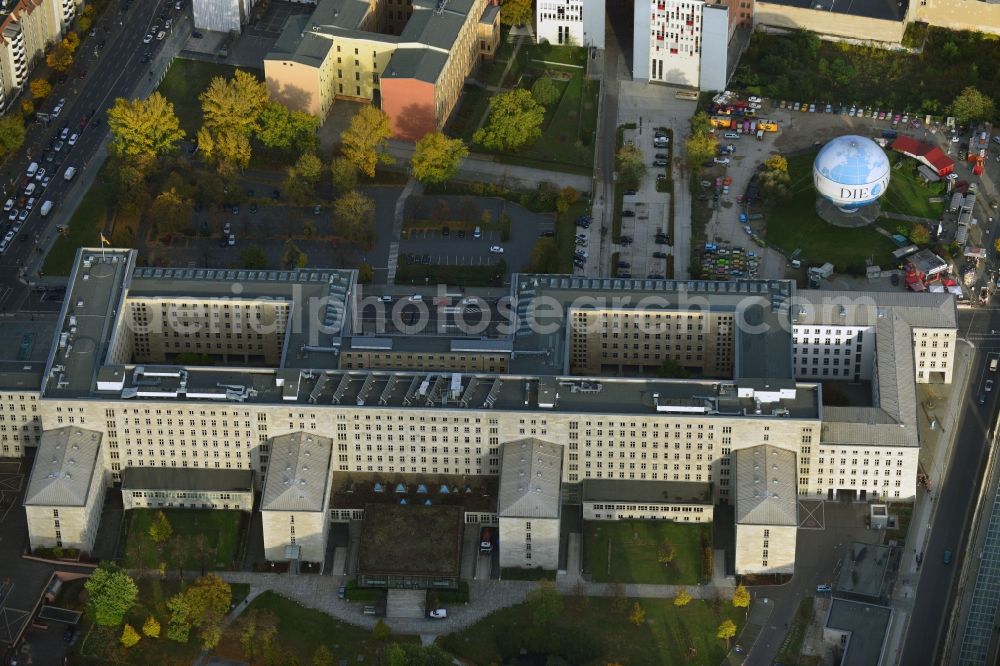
(726, 631)
(436, 158)
(143, 129)
(151, 627)
(638, 614)
(129, 636)
(234, 104)
(776, 163)
(741, 597)
(682, 598)
(364, 141)
(59, 59)
(40, 88)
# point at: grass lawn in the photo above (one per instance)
(548, 53)
(89, 219)
(185, 80)
(908, 195)
(301, 630)
(664, 639)
(471, 108)
(791, 647)
(903, 513)
(221, 528)
(792, 224)
(472, 276)
(634, 547)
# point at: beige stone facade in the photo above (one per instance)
(675, 512)
(30, 28)
(765, 549)
(971, 15)
(305, 529)
(529, 543)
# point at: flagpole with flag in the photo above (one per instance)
(104, 241)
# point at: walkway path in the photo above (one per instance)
(320, 593)
(928, 222)
(478, 167)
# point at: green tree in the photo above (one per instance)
(234, 104)
(515, 121)
(160, 528)
(414, 654)
(129, 636)
(181, 618)
(381, 631)
(344, 174)
(630, 163)
(11, 133)
(83, 23)
(112, 592)
(257, 629)
(567, 197)
(741, 597)
(619, 602)
(354, 214)
(682, 598)
(920, 234)
(366, 273)
(309, 168)
(203, 549)
(726, 631)
(364, 141)
(143, 129)
(207, 600)
(322, 656)
(638, 615)
(40, 88)
(151, 627)
(293, 257)
(516, 12)
(971, 104)
(544, 603)
(436, 158)
(699, 148)
(666, 553)
(545, 256)
(253, 258)
(171, 212)
(545, 91)
(284, 129)
(701, 123)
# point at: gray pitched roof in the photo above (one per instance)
(298, 473)
(64, 467)
(530, 474)
(765, 486)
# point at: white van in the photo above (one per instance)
(46, 208)
(32, 169)
(70, 172)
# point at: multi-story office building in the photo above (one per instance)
(414, 57)
(27, 29)
(576, 377)
(221, 15)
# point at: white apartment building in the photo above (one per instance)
(221, 15)
(606, 423)
(668, 43)
(27, 29)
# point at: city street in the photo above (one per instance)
(111, 72)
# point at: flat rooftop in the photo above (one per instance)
(358, 490)
(866, 624)
(877, 9)
(863, 570)
(681, 492)
(185, 478)
(411, 540)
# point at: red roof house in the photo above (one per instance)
(925, 153)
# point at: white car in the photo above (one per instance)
(40, 175)
(954, 139)
(439, 613)
(160, 35)
(952, 176)
(10, 204)
(496, 249)
(73, 138)
(416, 298)
(56, 111)
(721, 160)
(147, 39)
(232, 240)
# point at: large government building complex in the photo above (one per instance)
(301, 382)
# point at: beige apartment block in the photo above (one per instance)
(838, 25)
(295, 506)
(676, 501)
(66, 490)
(973, 15)
(766, 511)
(529, 504)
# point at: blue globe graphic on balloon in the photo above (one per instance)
(851, 172)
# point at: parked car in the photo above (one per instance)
(721, 160)
(439, 613)
(73, 139)
(659, 163)
(823, 588)
(496, 249)
(628, 213)
(989, 385)
(147, 39)
(947, 557)
(659, 255)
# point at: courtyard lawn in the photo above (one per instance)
(792, 224)
(222, 530)
(85, 227)
(301, 630)
(185, 80)
(667, 636)
(634, 545)
(908, 195)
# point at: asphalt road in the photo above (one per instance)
(110, 73)
(924, 639)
